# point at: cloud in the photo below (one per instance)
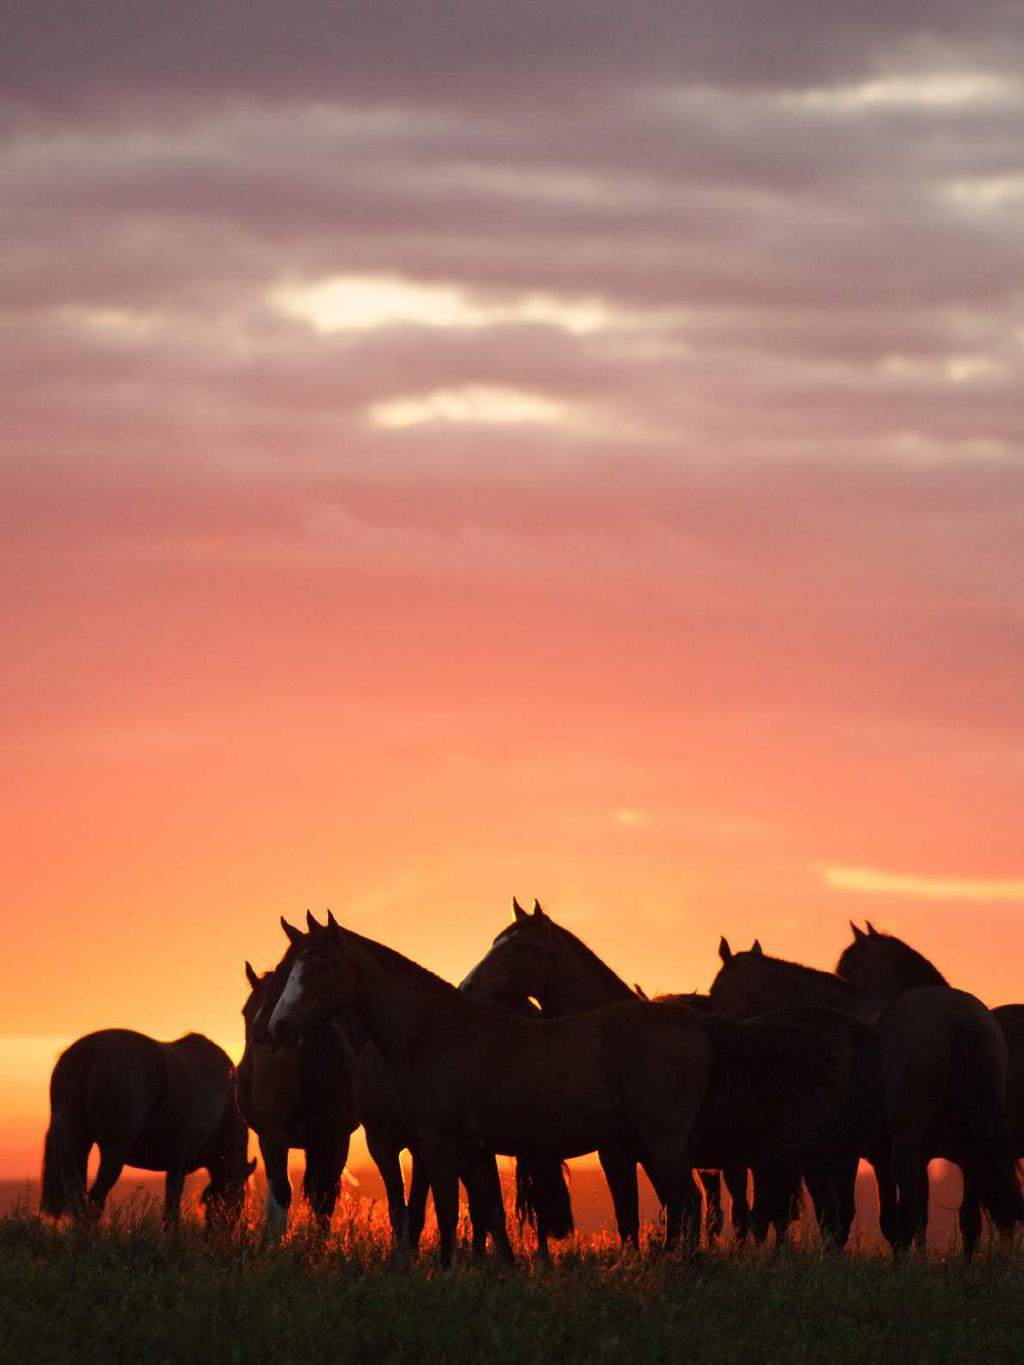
(872, 882)
(477, 405)
(365, 302)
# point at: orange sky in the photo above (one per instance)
(612, 500)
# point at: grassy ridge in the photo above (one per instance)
(126, 1293)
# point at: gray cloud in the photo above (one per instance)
(807, 392)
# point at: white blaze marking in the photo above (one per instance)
(290, 994)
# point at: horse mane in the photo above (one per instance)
(909, 960)
(390, 958)
(815, 974)
(693, 1000)
(592, 961)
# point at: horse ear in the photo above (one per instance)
(538, 911)
(292, 934)
(858, 934)
(332, 923)
(756, 948)
(724, 951)
(518, 910)
(872, 931)
(639, 991)
(251, 976)
(312, 923)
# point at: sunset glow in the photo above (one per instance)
(571, 459)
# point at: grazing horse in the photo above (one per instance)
(969, 1044)
(940, 1052)
(476, 1079)
(301, 1097)
(159, 1106)
(535, 958)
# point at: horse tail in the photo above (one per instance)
(63, 1184)
(542, 1187)
(985, 1132)
(787, 1076)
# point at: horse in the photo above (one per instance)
(300, 1097)
(631, 1077)
(971, 1127)
(536, 957)
(930, 1040)
(373, 1100)
(541, 1190)
(158, 1106)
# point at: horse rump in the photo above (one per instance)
(542, 1190)
(794, 1078)
(987, 1146)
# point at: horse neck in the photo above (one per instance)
(816, 988)
(395, 1010)
(575, 985)
(892, 974)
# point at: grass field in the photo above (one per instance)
(126, 1293)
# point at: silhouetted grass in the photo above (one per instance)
(127, 1293)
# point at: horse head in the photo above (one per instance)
(314, 977)
(741, 987)
(517, 965)
(883, 965)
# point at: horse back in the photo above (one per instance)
(107, 1084)
(197, 1094)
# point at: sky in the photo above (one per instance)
(452, 452)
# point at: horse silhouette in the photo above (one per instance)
(536, 956)
(297, 1097)
(158, 1106)
(942, 1079)
(950, 1033)
(541, 1189)
(477, 1079)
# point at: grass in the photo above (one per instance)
(124, 1292)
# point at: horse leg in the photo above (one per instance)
(386, 1157)
(970, 1213)
(112, 1159)
(324, 1165)
(880, 1157)
(419, 1189)
(173, 1186)
(912, 1191)
(443, 1172)
(619, 1168)
(279, 1189)
(713, 1218)
(486, 1206)
(736, 1183)
(679, 1195)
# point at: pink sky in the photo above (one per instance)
(522, 455)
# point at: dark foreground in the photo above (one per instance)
(125, 1293)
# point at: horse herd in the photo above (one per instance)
(544, 1053)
